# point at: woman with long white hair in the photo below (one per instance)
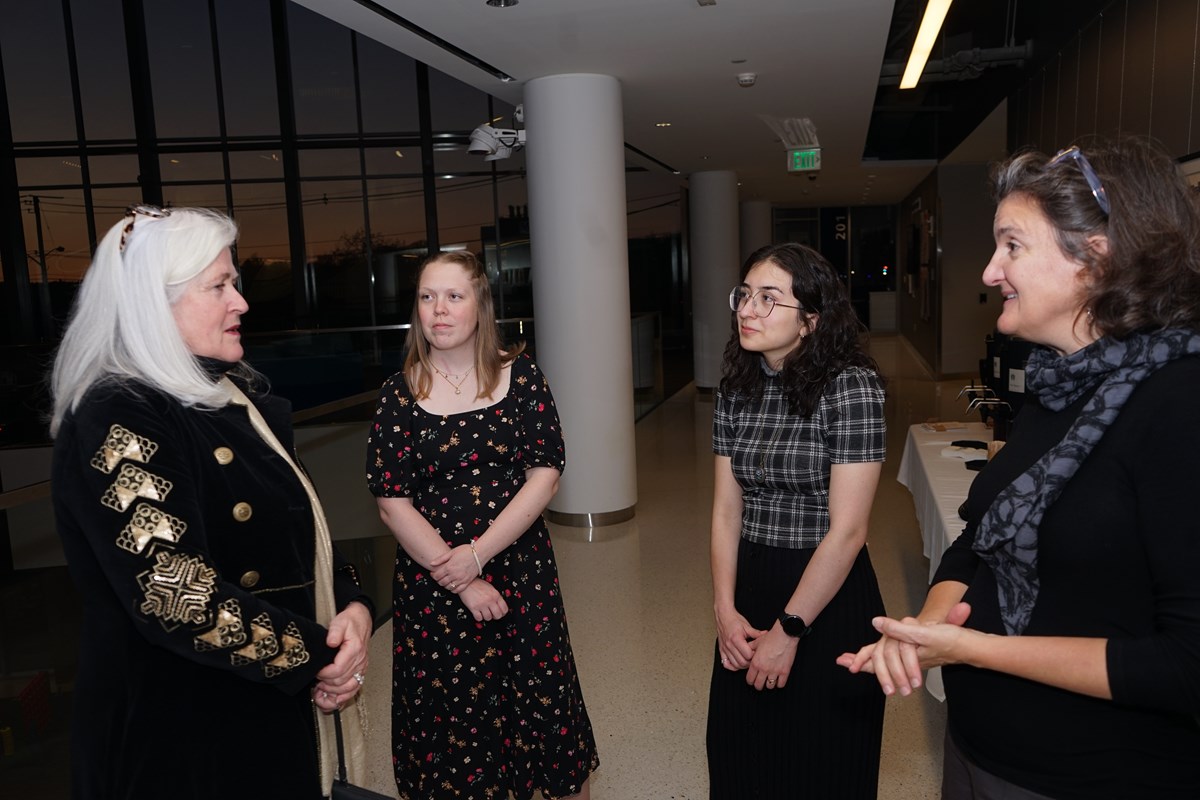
(197, 546)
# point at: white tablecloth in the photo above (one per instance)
(939, 485)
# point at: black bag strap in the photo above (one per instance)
(337, 729)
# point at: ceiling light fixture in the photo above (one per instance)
(662, 124)
(502, 3)
(931, 23)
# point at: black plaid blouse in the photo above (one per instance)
(782, 460)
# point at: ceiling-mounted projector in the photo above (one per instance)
(495, 143)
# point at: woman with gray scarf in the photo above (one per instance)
(1067, 614)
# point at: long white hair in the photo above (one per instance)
(122, 326)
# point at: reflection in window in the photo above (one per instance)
(249, 164)
(322, 73)
(393, 160)
(264, 256)
(332, 163)
(397, 209)
(113, 169)
(191, 167)
(53, 171)
(103, 69)
(38, 82)
(388, 83)
(247, 67)
(179, 41)
(335, 246)
(464, 209)
(512, 267)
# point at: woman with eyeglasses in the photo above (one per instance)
(198, 550)
(798, 433)
(1067, 614)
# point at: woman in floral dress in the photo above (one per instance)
(463, 456)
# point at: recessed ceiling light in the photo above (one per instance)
(399, 154)
(662, 124)
(502, 3)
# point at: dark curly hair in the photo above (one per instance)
(1150, 276)
(833, 344)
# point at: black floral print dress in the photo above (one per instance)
(480, 709)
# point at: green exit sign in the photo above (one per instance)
(804, 160)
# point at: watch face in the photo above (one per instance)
(792, 625)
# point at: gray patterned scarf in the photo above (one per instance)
(1007, 538)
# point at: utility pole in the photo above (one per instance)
(44, 290)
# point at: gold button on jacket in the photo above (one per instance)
(223, 455)
(242, 512)
(250, 579)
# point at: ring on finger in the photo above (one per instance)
(358, 676)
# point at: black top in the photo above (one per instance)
(1119, 559)
(191, 543)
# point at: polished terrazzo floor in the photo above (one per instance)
(639, 601)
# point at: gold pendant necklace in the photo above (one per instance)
(457, 386)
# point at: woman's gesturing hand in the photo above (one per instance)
(907, 647)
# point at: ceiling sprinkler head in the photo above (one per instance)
(746, 79)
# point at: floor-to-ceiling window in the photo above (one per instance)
(344, 163)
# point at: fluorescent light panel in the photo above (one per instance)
(931, 23)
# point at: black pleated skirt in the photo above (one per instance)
(817, 738)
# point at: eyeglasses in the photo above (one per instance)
(762, 304)
(1089, 174)
(133, 212)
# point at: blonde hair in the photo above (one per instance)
(490, 354)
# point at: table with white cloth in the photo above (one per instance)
(939, 485)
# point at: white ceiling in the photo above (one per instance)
(675, 60)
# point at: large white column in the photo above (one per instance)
(755, 227)
(575, 159)
(713, 253)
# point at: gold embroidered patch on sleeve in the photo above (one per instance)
(294, 653)
(263, 643)
(134, 482)
(149, 523)
(229, 631)
(178, 589)
(122, 443)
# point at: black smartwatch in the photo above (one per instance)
(794, 626)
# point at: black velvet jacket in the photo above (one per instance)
(191, 543)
